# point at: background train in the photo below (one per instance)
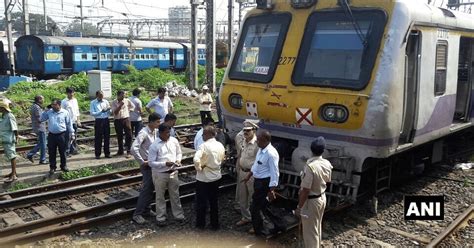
(387, 83)
(53, 55)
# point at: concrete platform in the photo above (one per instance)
(33, 174)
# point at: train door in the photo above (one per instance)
(410, 103)
(66, 65)
(465, 80)
(95, 57)
(109, 57)
(172, 58)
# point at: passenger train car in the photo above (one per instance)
(53, 55)
(385, 82)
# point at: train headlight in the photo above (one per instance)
(334, 113)
(301, 4)
(235, 101)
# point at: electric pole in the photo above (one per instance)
(230, 30)
(8, 7)
(193, 65)
(210, 44)
(82, 18)
(45, 16)
(26, 17)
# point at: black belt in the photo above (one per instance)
(57, 133)
(245, 170)
(315, 196)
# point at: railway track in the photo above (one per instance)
(461, 221)
(88, 202)
(185, 134)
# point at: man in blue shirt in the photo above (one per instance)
(100, 109)
(59, 125)
(265, 172)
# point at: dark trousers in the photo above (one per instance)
(136, 127)
(207, 193)
(102, 131)
(71, 147)
(259, 203)
(122, 126)
(205, 115)
(57, 142)
(146, 196)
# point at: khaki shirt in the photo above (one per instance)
(316, 173)
(239, 138)
(204, 98)
(124, 110)
(248, 153)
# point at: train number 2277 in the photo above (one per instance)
(286, 60)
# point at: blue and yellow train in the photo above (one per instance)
(53, 55)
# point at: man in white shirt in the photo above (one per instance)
(265, 173)
(135, 115)
(140, 148)
(72, 107)
(161, 104)
(208, 160)
(198, 140)
(121, 108)
(205, 101)
(163, 158)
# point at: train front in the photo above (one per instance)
(306, 68)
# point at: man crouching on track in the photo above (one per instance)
(208, 160)
(312, 201)
(140, 147)
(163, 158)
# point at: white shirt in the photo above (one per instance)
(71, 106)
(198, 139)
(164, 151)
(208, 160)
(266, 165)
(142, 143)
(204, 98)
(161, 107)
(135, 114)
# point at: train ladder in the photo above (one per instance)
(383, 175)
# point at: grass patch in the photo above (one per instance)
(19, 186)
(87, 172)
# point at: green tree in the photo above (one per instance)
(36, 24)
(89, 29)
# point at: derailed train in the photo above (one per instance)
(385, 82)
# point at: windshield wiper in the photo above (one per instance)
(347, 10)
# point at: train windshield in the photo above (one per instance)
(339, 49)
(259, 47)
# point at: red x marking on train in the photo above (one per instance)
(304, 116)
(276, 95)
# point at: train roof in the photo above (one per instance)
(81, 41)
(423, 13)
(188, 45)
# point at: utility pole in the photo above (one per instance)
(240, 12)
(82, 18)
(130, 40)
(210, 44)
(193, 65)
(45, 16)
(8, 7)
(26, 17)
(230, 30)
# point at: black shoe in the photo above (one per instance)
(68, 155)
(108, 156)
(43, 162)
(118, 154)
(51, 172)
(161, 223)
(97, 157)
(31, 159)
(65, 169)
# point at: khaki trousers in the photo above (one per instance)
(236, 204)
(314, 209)
(170, 182)
(244, 192)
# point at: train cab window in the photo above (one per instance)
(84, 56)
(260, 47)
(94, 56)
(440, 68)
(339, 50)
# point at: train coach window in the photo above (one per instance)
(339, 50)
(440, 68)
(260, 47)
(121, 56)
(94, 56)
(84, 56)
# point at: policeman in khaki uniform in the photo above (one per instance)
(312, 200)
(247, 152)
